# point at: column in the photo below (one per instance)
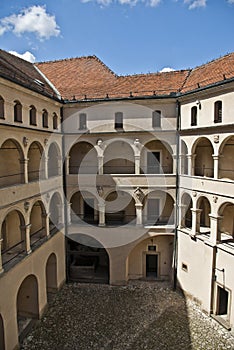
(26, 230)
(139, 210)
(67, 163)
(46, 223)
(214, 228)
(174, 156)
(181, 216)
(60, 164)
(101, 210)
(68, 213)
(216, 166)
(196, 213)
(46, 167)
(60, 214)
(24, 164)
(1, 268)
(100, 165)
(191, 163)
(137, 165)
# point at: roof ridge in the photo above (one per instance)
(213, 60)
(153, 73)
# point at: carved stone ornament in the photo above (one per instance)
(139, 194)
(216, 138)
(194, 193)
(215, 199)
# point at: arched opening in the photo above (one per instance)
(204, 205)
(158, 209)
(156, 158)
(226, 224)
(88, 260)
(27, 305)
(2, 335)
(84, 208)
(35, 171)
(45, 122)
(226, 163)
(55, 121)
(53, 160)
(17, 112)
(51, 276)
(32, 116)
(2, 109)
(119, 158)
(12, 234)
(11, 156)
(55, 212)
(186, 214)
(183, 158)
(203, 153)
(120, 208)
(83, 159)
(38, 223)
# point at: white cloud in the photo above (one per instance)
(195, 3)
(32, 20)
(151, 3)
(231, 1)
(27, 56)
(167, 69)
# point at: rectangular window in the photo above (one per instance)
(82, 121)
(194, 116)
(119, 120)
(156, 119)
(218, 112)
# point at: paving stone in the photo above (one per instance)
(142, 315)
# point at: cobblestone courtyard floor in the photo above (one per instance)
(142, 315)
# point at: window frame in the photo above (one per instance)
(156, 118)
(194, 116)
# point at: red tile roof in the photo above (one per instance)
(24, 73)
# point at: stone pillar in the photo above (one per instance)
(196, 213)
(191, 164)
(174, 156)
(101, 210)
(1, 268)
(60, 214)
(68, 213)
(216, 166)
(60, 164)
(67, 163)
(46, 167)
(214, 228)
(46, 223)
(24, 164)
(139, 210)
(181, 216)
(137, 164)
(27, 229)
(100, 165)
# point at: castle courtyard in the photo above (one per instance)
(141, 315)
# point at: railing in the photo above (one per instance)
(89, 169)
(158, 220)
(11, 179)
(13, 252)
(226, 173)
(123, 169)
(204, 171)
(157, 169)
(37, 236)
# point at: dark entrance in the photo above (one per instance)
(222, 301)
(151, 265)
(153, 162)
(89, 210)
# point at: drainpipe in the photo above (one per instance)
(65, 196)
(177, 195)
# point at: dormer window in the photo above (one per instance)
(218, 112)
(18, 112)
(32, 116)
(156, 119)
(118, 120)
(45, 118)
(194, 116)
(82, 121)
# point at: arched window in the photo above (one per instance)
(55, 121)
(2, 108)
(32, 116)
(45, 118)
(218, 112)
(194, 116)
(156, 119)
(18, 112)
(82, 121)
(118, 120)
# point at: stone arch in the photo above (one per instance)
(183, 158)
(2, 334)
(120, 208)
(204, 205)
(11, 155)
(27, 303)
(55, 210)
(119, 158)
(51, 275)
(186, 214)
(84, 207)
(226, 164)
(158, 208)
(35, 167)
(156, 158)
(202, 151)
(89, 260)
(83, 158)
(226, 224)
(54, 157)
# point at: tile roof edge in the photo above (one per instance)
(213, 61)
(49, 82)
(154, 73)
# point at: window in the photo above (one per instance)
(82, 121)
(45, 118)
(194, 116)
(18, 112)
(55, 121)
(218, 112)
(32, 116)
(156, 119)
(118, 120)
(184, 267)
(1, 108)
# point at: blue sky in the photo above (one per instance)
(130, 36)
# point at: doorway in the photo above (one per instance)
(153, 162)
(152, 265)
(89, 210)
(222, 299)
